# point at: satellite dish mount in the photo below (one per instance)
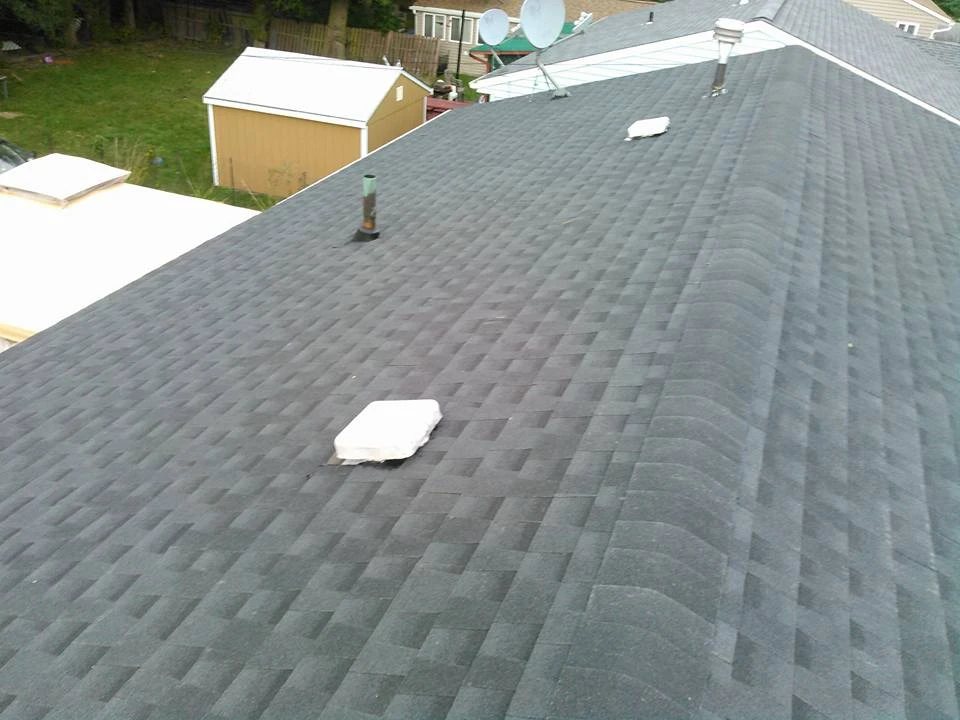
(558, 91)
(542, 22)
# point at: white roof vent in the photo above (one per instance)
(648, 127)
(60, 178)
(387, 430)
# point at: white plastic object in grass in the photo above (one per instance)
(387, 430)
(648, 127)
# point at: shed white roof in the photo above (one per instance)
(59, 258)
(342, 92)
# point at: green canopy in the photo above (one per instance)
(518, 43)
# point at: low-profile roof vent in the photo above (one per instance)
(648, 128)
(387, 430)
(60, 178)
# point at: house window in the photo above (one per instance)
(908, 27)
(455, 30)
(399, 93)
(433, 25)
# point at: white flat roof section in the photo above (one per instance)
(60, 258)
(283, 83)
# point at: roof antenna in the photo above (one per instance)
(727, 34)
(542, 22)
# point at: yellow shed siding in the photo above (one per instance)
(278, 155)
(894, 11)
(395, 117)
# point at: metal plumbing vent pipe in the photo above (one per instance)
(368, 228)
(727, 33)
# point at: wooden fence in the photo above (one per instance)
(418, 55)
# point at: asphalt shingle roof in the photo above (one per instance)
(848, 33)
(699, 455)
(945, 52)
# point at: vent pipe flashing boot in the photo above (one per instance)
(727, 34)
(368, 228)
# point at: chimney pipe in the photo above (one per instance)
(727, 34)
(368, 228)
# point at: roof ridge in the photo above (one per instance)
(724, 355)
(769, 9)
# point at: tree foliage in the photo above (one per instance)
(52, 18)
(951, 7)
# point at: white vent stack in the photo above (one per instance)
(387, 430)
(727, 33)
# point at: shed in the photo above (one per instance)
(280, 120)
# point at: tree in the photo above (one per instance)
(129, 15)
(379, 15)
(52, 18)
(336, 40)
(951, 7)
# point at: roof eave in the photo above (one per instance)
(285, 112)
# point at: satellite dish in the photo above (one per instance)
(542, 21)
(494, 26)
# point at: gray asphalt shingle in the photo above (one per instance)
(699, 453)
(846, 32)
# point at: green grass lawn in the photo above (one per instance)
(124, 105)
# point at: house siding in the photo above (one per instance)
(894, 11)
(468, 66)
(393, 118)
(448, 48)
(278, 155)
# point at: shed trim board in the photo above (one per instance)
(213, 145)
(285, 112)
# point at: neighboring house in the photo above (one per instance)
(78, 232)
(682, 33)
(914, 17)
(280, 121)
(951, 35)
(699, 448)
(509, 50)
(442, 18)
